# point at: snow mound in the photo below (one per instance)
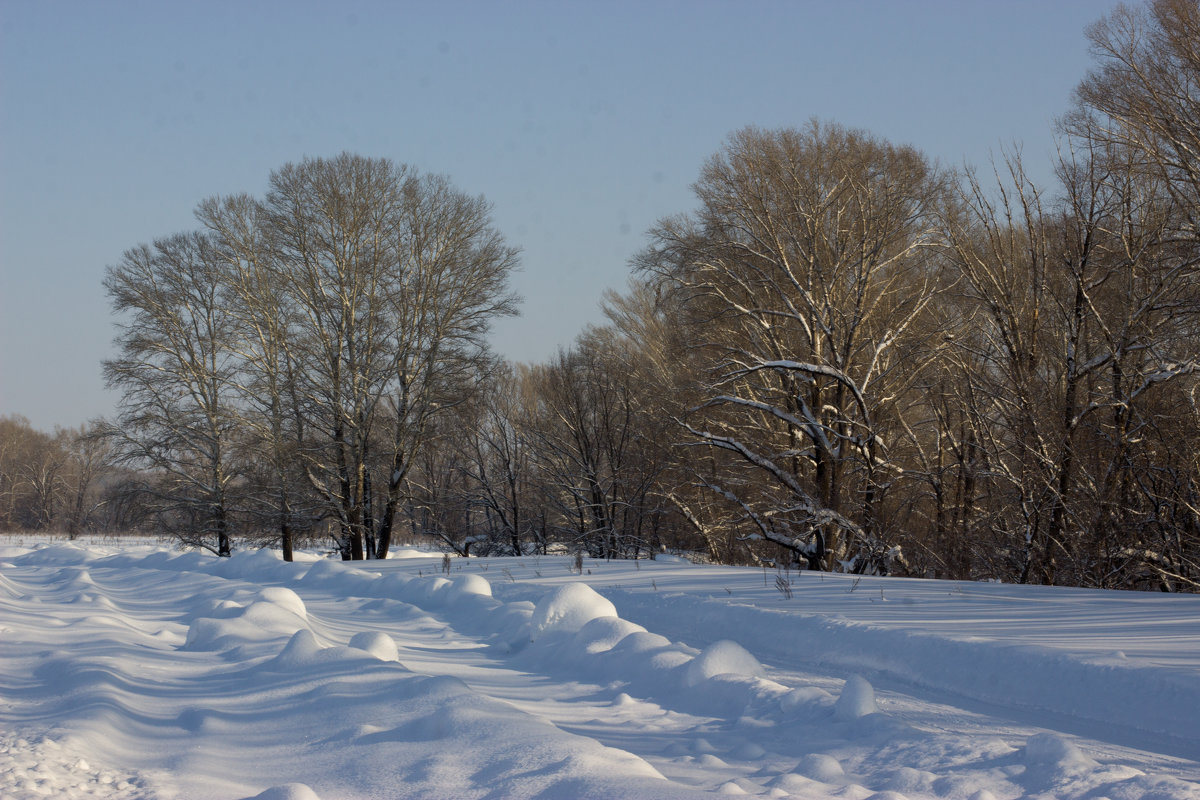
(252, 565)
(722, 658)
(641, 642)
(259, 621)
(857, 700)
(749, 751)
(325, 571)
(668, 658)
(288, 791)
(789, 783)
(1051, 760)
(472, 585)
(408, 552)
(567, 608)
(1051, 749)
(821, 767)
(301, 650)
(63, 555)
(510, 622)
(604, 633)
(908, 779)
(284, 598)
(432, 591)
(377, 644)
(807, 702)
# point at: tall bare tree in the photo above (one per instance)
(1139, 109)
(1076, 319)
(1142, 95)
(394, 279)
(263, 323)
(175, 370)
(811, 256)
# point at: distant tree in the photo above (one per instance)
(12, 430)
(497, 461)
(50, 482)
(441, 501)
(648, 349)
(31, 471)
(596, 468)
(89, 463)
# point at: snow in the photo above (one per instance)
(721, 658)
(141, 672)
(857, 700)
(567, 609)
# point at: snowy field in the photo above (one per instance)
(141, 672)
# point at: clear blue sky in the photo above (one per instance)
(582, 122)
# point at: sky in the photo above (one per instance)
(582, 123)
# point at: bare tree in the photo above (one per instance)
(32, 465)
(175, 370)
(593, 453)
(394, 279)
(811, 257)
(317, 332)
(263, 323)
(1078, 316)
(649, 350)
(440, 501)
(1136, 114)
(497, 460)
(89, 463)
(50, 481)
(1141, 96)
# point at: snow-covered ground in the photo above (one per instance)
(140, 672)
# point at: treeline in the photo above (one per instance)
(847, 357)
(56, 481)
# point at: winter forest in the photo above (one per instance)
(845, 357)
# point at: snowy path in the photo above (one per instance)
(431, 646)
(153, 675)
